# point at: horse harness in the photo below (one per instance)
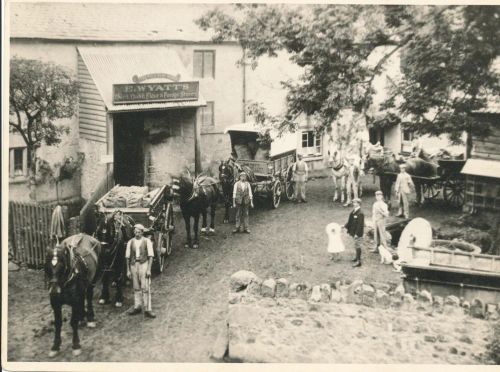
(74, 258)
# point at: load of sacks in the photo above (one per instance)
(129, 197)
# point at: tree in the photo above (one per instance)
(447, 53)
(39, 94)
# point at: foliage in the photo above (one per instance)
(39, 94)
(60, 171)
(493, 346)
(446, 57)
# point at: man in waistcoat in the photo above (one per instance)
(139, 254)
(242, 201)
(403, 188)
(300, 173)
(355, 228)
(380, 212)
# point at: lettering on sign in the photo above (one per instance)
(155, 92)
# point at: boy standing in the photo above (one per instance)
(355, 228)
(242, 200)
(139, 254)
(403, 188)
(380, 212)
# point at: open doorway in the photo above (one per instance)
(128, 133)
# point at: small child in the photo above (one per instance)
(335, 244)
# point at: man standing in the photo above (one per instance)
(139, 254)
(300, 173)
(403, 188)
(242, 200)
(380, 212)
(355, 228)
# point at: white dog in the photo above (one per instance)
(385, 255)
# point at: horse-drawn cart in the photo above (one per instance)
(448, 181)
(270, 164)
(151, 208)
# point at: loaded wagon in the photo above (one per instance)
(270, 159)
(151, 208)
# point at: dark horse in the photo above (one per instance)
(229, 171)
(387, 167)
(71, 268)
(196, 195)
(113, 233)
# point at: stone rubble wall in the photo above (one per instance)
(249, 295)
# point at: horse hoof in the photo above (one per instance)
(186, 245)
(102, 301)
(118, 304)
(226, 221)
(195, 246)
(203, 230)
(77, 352)
(90, 325)
(212, 231)
(53, 353)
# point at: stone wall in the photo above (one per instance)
(273, 320)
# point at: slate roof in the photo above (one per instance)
(108, 21)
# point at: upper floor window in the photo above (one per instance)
(311, 142)
(207, 115)
(204, 64)
(408, 135)
(18, 162)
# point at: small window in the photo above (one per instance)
(311, 142)
(18, 165)
(204, 64)
(408, 135)
(207, 115)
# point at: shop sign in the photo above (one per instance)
(155, 92)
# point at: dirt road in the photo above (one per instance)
(190, 297)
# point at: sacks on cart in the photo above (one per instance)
(129, 197)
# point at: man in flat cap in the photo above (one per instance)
(139, 254)
(242, 200)
(300, 173)
(355, 228)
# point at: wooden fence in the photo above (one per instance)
(29, 226)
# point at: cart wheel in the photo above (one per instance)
(454, 192)
(276, 196)
(289, 189)
(169, 228)
(430, 191)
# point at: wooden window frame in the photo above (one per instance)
(203, 51)
(24, 170)
(202, 116)
(316, 141)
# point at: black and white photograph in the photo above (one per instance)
(305, 183)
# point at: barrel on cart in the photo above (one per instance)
(149, 207)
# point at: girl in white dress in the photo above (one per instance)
(335, 244)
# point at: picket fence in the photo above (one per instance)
(29, 225)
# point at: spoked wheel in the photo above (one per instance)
(165, 237)
(430, 191)
(276, 196)
(454, 192)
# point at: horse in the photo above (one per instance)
(195, 196)
(113, 233)
(229, 171)
(387, 167)
(71, 268)
(340, 172)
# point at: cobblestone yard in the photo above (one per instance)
(190, 298)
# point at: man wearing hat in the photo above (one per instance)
(139, 254)
(300, 173)
(242, 200)
(355, 228)
(380, 212)
(403, 188)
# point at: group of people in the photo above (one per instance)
(380, 211)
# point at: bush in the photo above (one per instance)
(493, 347)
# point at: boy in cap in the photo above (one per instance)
(403, 188)
(139, 254)
(380, 212)
(355, 228)
(242, 200)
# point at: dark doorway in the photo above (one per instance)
(376, 135)
(128, 130)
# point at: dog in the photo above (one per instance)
(387, 256)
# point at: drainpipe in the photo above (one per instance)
(244, 76)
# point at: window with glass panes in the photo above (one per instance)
(18, 161)
(311, 141)
(407, 135)
(207, 114)
(204, 64)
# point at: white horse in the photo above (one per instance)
(340, 172)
